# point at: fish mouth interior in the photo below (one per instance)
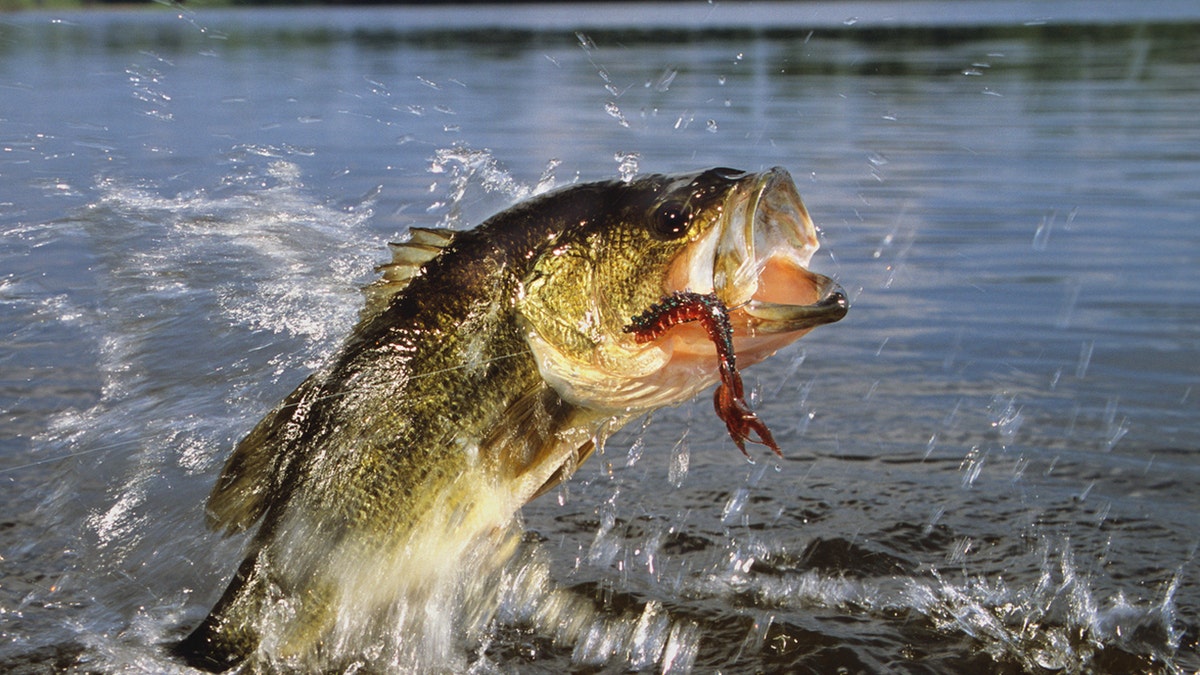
(793, 299)
(760, 262)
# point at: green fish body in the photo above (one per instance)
(487, 365)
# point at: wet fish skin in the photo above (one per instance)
(451, 404)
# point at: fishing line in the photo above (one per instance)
(431, 373)
(59, 458)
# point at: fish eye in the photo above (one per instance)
(671, 221)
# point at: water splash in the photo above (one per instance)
(645, 636)
(263, 222)
(466, 166)
(627, 164)
(176, 280)
(1059, 624)
(680, 461)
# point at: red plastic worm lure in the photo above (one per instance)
(729, 399)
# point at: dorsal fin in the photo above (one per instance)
(424, 244)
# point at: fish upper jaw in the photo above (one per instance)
(763, 219)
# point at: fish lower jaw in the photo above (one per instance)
(617, 378)
(790, 299)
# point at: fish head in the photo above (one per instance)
(744, 237)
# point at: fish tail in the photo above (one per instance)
(227, 636)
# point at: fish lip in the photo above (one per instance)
(769, 318)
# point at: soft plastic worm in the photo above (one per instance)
(729, 399)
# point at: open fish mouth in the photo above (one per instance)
(760, 260)
(764, 318)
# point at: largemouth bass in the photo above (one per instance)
(487, 365)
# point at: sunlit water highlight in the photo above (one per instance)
(990, 463)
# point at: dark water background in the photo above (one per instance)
(991, 462)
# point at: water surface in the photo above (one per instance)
(990, 463)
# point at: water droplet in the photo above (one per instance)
(735, 505)
(1041, 237)
(1086, 491)
(1069, 302)
(972, 466)
(1085, 358)
(960, 551)
(663, 83)
(1005, 416)
(680, 460)
(547, 180)
(614, 111)
(627, 164)
(934, 518)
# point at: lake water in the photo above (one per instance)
(991, 463)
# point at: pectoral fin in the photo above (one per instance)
(539, 441)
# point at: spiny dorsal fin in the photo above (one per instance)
(431, 236)
(424, 244)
